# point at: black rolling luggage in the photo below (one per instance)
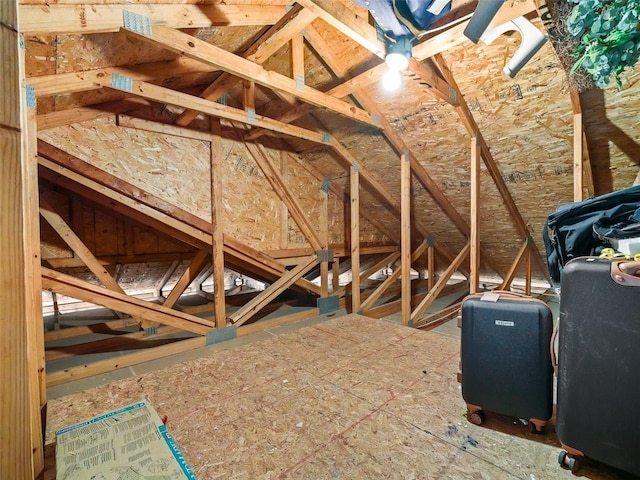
(506, 361)
(599, 363)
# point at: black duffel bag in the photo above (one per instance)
(576, 229)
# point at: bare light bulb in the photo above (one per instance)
(397, 61)
(391, 80)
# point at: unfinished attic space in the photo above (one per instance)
(303, 239)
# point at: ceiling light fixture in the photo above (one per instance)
(398, 52)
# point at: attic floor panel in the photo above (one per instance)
(351, 397)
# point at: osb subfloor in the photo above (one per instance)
(349, 398)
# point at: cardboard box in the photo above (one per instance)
(129, 443)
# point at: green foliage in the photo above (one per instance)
(609, 37)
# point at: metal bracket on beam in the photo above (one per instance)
(151, 331)
(251, 115)
(375, 118)
(299, 82)
(30, 93)
(429, 240)
(326, 185)
(218, 335)
(121, 82)
(453, 95)
(136, 22)
(325, 255)
(326, 138)
(328, 304)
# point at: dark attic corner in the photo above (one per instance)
(276, 239)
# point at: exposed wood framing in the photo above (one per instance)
(405, 230)
(292, 22)
(578, 153)
(111, 327)
(474, 257)
(492, 167)
(217, 222)
(354, 189)
(376, 267)
(281, 189)
(251, 308)
(75, 288)
(97, 18)
(443, 316)
(522, 255)
(442, 281)
(125, 198)
(209, 54)
(21, 442)
(394, 307)
(384, 286)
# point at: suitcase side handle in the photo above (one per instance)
(552, 347)
(626, 273)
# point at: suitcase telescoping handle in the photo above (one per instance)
(626, 273)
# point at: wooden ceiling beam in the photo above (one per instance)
(82, 81)
(197, 49)
(352, 21)
(165, 95)
(278, 35)
(100, 18)
(83, 114)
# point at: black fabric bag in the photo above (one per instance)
(578, 229)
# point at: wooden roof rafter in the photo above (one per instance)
(217, 57)
(275, 37)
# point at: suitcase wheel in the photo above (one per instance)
(569, 462)
(477, 417)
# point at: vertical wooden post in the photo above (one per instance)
(431, 265)
(405, 235)
(218, 225)
(578, 182)
(355, 238)
(284, 211)
(578, 153)
(335, 273)
(21, 390)
(474, 256)
(297, 58)
(324, 239)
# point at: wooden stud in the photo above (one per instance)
(578, 153)
(474, 238)
(442, 281)
(527, 286)
(21, 453)
(324, 239)
(335, 274)
(217, 221)
(354, 188)
(431, 266)
(193, 269)
(405, 232)
(250, 309)
(284, 211)
(508, 279)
